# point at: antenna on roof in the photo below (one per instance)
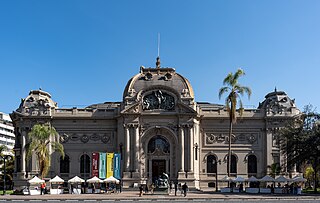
(158, 58)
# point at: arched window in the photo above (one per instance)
(85, 164)
(160, 143)
(252, 164)
(211, 164)
(233, 164)
(65, 164)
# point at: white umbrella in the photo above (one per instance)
(267, 179)
(226, 179)
(56, 179)
(76, 179)
(281, 179)
(111, 179)
(95, 179)
(252, 179)
(36, 180)
(239, 179)
(298, 179)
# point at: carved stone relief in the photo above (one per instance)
(106, 138)
(158, 100)
(37, 107)
(211, 138)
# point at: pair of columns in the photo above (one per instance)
(186, 138)
(135, 150)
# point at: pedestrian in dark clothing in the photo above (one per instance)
(141, 190)
(175, 189)
(185, 188)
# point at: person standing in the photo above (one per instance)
(185, 188)
(141, 190)
(175, 188)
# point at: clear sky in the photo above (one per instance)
(84, 52)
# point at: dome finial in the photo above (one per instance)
(158, 62)
(275, 89)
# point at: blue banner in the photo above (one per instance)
(102, 165)
(116, 167)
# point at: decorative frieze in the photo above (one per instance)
(213, 138)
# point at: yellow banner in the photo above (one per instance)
(110, 164)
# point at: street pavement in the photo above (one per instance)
(133, 196)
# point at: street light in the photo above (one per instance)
(4, 157)
(214, 162)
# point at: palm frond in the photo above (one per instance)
(223, 90)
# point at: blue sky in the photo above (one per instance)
(84, 52)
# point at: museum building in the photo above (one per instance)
(158, 128)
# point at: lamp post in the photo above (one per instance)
(4, 157)
(214, 162)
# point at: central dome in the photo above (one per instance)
(158, 78)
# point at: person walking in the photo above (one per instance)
(185, 188)
(141, 190)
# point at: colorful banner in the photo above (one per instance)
(102, 165)
(110, 164)
(116, 166)
(95, 164)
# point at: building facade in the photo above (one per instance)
(7, 136)
(157, 128)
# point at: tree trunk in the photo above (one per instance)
(229, 151)
(315, 175)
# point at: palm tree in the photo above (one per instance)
(235, 90)
(42, 137)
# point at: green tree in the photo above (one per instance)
(9, 167)
(300, 141)
(309, 174)
(234, 90)
(42, 137)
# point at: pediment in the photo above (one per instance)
(132, 109)
(180, 108)
(185, 109)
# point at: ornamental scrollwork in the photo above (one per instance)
(158, 100)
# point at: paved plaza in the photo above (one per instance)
(134, 196)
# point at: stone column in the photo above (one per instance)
(23, 151)
(136, 148)
(127, 159)
(182, 148)
(191, 147)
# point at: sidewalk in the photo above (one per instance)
(134, 195)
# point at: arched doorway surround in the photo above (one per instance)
(163, 157)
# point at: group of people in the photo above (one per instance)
(183, 188)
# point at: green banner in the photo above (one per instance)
(102, 165)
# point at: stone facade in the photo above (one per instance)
(158, 128)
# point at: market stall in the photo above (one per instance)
(94, 185)
(35, 188)
(75, 185)
(56, 185)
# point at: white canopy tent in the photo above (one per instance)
(76, 179)
(281, 179)
(34, 188)
(252, 179)
(111, 179)
(239, 179)
(267, 179)
(95, 179)
(36, 180)
(94, 187)
(56, 184)
(56, 179)
(298, 179)
(226, 179)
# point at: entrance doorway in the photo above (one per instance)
(158, 168)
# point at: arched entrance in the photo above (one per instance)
(159, 160)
